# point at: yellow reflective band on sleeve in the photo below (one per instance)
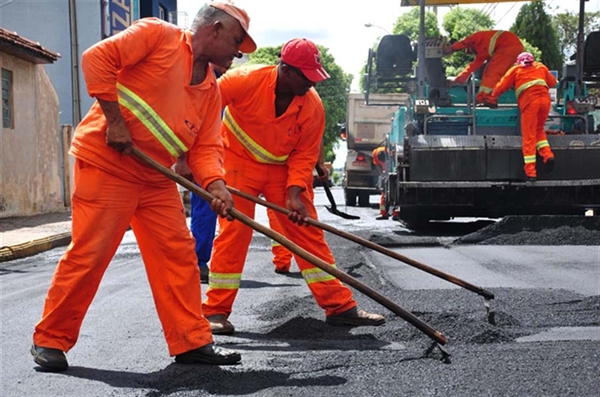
(487, 90)
(224, 280)
(151, 120)
(531, 83)
(541, 144)
(258, 152)
(493, 40)
(529, 159)
(316, 275)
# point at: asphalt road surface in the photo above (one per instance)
(541, 339)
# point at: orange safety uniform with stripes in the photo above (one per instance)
(500, 48)
(148, 69)
(531, 88)
(381, 167)
(282, 257)
(265, 154)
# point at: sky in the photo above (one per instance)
(340, 25)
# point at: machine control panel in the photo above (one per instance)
(434, 46)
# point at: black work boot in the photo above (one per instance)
(53, 360)
(549, 165)
(209, 354)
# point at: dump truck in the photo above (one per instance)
(367, 127)
(450, 158)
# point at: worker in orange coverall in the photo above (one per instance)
(532, 81)
(137, 76)
(380, 156)
(272, 126)
(499, 48)
(282, 257)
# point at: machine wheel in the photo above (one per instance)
(350, 198)
(363, 199)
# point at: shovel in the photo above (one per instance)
(333, 209)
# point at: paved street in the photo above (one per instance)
(545, 340)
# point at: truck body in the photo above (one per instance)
(367, 127)
(450, 158)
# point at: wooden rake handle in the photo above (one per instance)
(371, 293)
(371, 245)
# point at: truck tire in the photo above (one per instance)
(363, 199)
(350, 198)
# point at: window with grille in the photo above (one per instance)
(7, 98)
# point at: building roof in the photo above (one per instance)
(20, 47)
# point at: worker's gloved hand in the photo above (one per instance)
(490, 101)
(222, 202)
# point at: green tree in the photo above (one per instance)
(333, 92)
(534, 25)
(567, 24)
(459, 23)
(408, 24)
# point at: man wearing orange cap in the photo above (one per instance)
(532, 81)
(499, 48)
(272, 128)
(137, 76)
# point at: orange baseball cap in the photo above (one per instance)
(248, 45)
(304, 55)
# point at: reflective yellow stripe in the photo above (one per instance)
(316, 275)
(493, 41)
(151, 120)
(258, 152)
(275, 243)
(541, 144)
(224, 280)
(487, 90)
(529, 159)
(530, 84)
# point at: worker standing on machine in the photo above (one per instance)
(532, 81)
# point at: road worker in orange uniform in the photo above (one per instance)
(380, 156)
(273, 125)
(499, 48)
(137, 76)
(532, 81)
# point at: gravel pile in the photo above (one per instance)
(537, 230)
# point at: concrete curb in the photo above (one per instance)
(34, 247)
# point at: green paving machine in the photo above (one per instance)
(450, 158)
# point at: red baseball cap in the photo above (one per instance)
(248, 45)
(304, 55)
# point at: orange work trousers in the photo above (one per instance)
(103, 206)
(231, 244)
(533, 118)
(496, 67)
(282, 257)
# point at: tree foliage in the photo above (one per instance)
(567, 25)
(333, 92)
(408, 24)
(461, 22)
(534, 25)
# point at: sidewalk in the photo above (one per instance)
(30, 235)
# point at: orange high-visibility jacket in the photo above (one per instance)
(251, 130)
(529, 82)
(164, 114)
(485, 44)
